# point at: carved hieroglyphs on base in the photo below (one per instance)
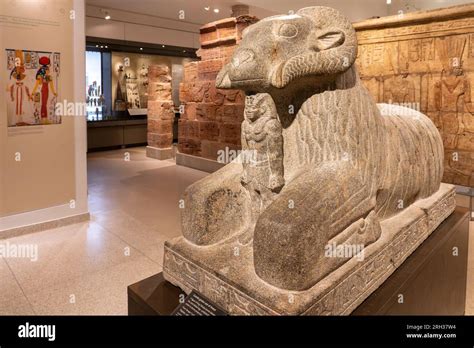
(426, 61)
(335, 192)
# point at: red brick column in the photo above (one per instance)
(160, 113)
(212, 117)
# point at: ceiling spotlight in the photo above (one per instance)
(106, 14)
(97, 46)
(389, 2)
(216, 10)
(163, 46)
(141, 48)
(207, 8)
(101, 46)
(184, 51)
(106, 46)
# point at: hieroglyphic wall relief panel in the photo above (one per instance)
(426, 61)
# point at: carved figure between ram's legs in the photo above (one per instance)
(262, 139)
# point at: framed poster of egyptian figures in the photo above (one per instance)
(32, 87)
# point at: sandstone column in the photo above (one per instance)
(212, 117)
(160, 113)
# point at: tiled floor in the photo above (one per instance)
(85, 268)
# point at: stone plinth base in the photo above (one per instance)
(225, 273)
(159, 154)
(199, 163)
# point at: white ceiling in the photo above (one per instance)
(194, 9)
(170, 9)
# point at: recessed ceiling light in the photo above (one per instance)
(184, 51)
(101, 46)
(106, 46)
(216, 10)
(163, 46)
(97, 46)
(207, 8)
(141, 48)
(106, 14)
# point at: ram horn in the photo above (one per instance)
(323, 62)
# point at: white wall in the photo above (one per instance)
(52, 171)
(131, 26)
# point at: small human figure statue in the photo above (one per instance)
(44, 78)
(262, 145)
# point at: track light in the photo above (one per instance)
(106, 14)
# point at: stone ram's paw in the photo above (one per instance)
(216, 207)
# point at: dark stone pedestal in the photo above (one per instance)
(432, 281)
(153, 296)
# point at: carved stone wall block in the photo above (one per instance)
(230, 133)
(436, 54)
(160, 107)
(468, 123)
(189, 111)
(206, 112)
(202, 101)
(404, 90)
(190, 146)
(160, 141)
(190, 72)
(466, 142)
(208, 70)
(458, 166)
(160, 126)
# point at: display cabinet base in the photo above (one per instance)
(159, 154)
(232, 283)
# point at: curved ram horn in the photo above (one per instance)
(330, 61)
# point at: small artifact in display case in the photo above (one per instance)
(133, 97)
(144, 75)
(120, 103)
(340, 192)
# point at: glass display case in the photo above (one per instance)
(117, 88)
(95, 100)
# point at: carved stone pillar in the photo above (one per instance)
(160, 113)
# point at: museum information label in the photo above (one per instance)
(197, 305)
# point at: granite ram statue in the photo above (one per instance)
(347, 164)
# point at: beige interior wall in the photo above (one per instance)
(45, 176)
